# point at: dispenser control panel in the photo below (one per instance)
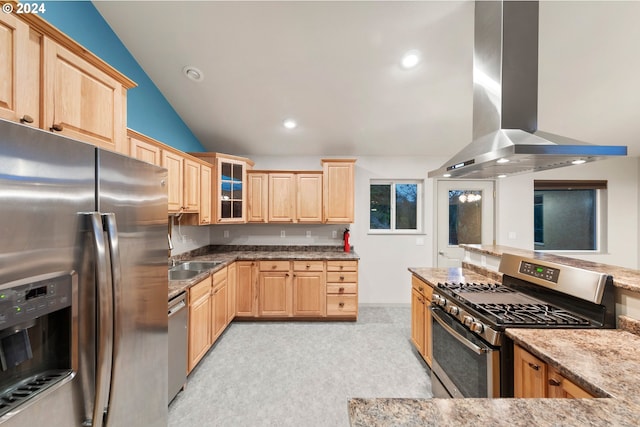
(29, 301)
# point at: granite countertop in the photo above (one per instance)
(229, 254)
(625, 278)
(433, 275)
(605, 362)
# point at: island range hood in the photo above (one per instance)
(506, 139)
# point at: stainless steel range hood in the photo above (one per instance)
(506, 139)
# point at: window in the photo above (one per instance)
(567, 215)
(395, 206)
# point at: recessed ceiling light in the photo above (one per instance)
(290, 124)
(578, 162)
(503, 160)
(193, 73)
(447, 175)
(410, 59)
(502, 176)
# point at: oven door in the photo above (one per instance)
(463, 364)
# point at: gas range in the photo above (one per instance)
(533, 294)
(471, 355)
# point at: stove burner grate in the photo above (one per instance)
(475, 287)
(533, 314)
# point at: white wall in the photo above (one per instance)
(514, 211)
(384, 259)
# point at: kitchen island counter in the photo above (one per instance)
(603, 361)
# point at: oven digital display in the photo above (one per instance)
(36, 292)
(539, 271)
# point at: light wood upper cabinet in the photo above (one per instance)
(257, 196)
(205, 195)
(191, 186)
(338, 190)
(142, 148)
(309, 197)
(81, 101)
(174, 164)
(20, 66)
(282, 197)
(229, 186)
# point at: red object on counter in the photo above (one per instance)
(345, 236)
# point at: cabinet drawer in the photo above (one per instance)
(308, 265)
(199, 290)
(341, 305)
(219, 276)
(274, 265)
(340, 277)
(342, 288)
(425, 289)
(342, 265)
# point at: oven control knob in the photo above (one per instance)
(477, 327)
(440, 300)
(453, 310)
(467, 320)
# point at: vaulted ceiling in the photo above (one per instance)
(335, 68)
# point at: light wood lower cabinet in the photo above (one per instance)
(247, 289)
(309, 288)
(342, 289)
(421, 294)
(533, 378)
(232, 283)
(218, 304)
(199, 321)
(274, 280)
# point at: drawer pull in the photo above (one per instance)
(554, 382)
(341, 290)
(340, 304)
(341, 267)
(420, 288)
(274, 267)
(26, 119)
(308, 266)
(56, 127)
(534, 367)
(341, 277)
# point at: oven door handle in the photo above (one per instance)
(471, 346)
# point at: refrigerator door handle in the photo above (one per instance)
(104, 304)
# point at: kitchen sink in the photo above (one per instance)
(190, 269)
(183, 274)
(198, 265)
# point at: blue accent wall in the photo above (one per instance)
(148, 111)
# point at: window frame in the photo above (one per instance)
(392, 226)
(600, 187)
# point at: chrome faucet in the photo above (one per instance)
(170, 244)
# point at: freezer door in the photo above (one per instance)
(135, 192)
(45, 181)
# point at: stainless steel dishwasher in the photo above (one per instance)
(177, 344)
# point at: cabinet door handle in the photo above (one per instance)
(273, 267)
(534, 366)
(308, 266)
(286, 275)
(341, 277)
(420, 288)
(341, 267)
(341, 304)
(56, 127)
(341, 290)
(554, 382)
(26, 119)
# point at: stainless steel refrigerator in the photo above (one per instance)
(83, 284)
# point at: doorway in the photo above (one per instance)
(464, 216)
